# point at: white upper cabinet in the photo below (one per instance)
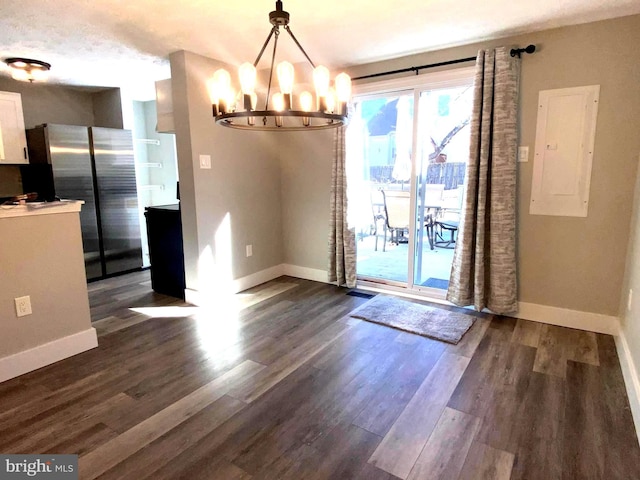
(164, 106)
(13, 141)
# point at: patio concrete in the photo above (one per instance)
(393, 263)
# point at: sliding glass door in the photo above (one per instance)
(443, 139)
(407, 148)
(384, 178)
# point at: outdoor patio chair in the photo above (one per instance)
(449, 220)
(396, 207)
(379, 217)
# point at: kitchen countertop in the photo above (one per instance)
(40, 208)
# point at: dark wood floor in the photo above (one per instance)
(280, 383)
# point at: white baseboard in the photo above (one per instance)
(241, 284)
(563, 317)
(306, 273)
(631, 380)
(592, 322)
(46, 354)
(257, 278)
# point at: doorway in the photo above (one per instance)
(408, 144)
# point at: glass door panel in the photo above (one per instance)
(380, 144)
(442, 152)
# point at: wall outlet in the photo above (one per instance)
(205, 161)
(249, 249)
(23, 306)
(523, 154)
(629, 300)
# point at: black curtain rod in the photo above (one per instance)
(515, 52)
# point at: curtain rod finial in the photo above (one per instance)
(516, 52)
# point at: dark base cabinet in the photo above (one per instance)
(164, 230)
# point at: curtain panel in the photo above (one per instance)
(342, 239)
(484, 272)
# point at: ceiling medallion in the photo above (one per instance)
(281, 111)
(27, 69)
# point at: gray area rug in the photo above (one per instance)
(431, 322)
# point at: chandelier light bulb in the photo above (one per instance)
(239, 111)
(214, 92)
(285, 77)
(221, 86)
(306, 104)
(278, 106)
(247, 73)
(343, 87)
(331, 101)
(278, 102)
(321, 80)
(306, 101)
(222, 78)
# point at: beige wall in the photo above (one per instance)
(306, 159)
(51, 103)
(44, 103)
(41, 256)
(574, 263)
(107, 108)
(630, 317)
(236, 202)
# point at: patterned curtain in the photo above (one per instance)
(484, 262)
(342, 239)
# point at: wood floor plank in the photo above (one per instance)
(527, 333)
(155, 455)
(336, 392)
(541, 430)
(444, 454)
(260, 294)
(505, 406)
(390, 400)
(584, 427)
(470, 341)
(110, 454)
(559, 344)
(212, 468)
(244, 431)
(41, 438)
(475, 390)
(486, 463)
(333, 402)
(583, 347)
(339, 455)
(17, 394)
(401, 446)
(256, 386)
(79, 442)
(551, 357)
(622, 452)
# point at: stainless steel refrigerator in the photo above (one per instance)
(95, 165)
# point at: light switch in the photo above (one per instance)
(205, 161)
(523, 154)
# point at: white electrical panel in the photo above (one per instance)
(565, 135)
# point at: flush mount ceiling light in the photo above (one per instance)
(27, 69)
(281, 111)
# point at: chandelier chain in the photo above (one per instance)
(273, 60)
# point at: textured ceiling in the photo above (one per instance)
(126, 42)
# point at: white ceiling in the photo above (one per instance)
(127, 42)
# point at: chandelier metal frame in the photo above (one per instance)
(322, 118)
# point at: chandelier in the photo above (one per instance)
(27, 69)
(281, 110)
